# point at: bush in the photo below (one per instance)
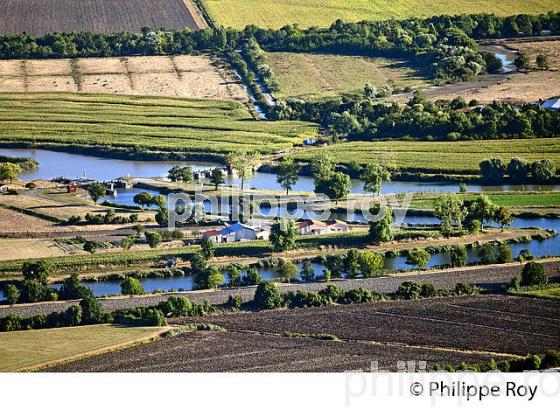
(332, 292)
(302, 299)
(252, 278)
(418, 257)
(505, 254)
(428, 290)
(12, 294)
(525, 255)
(307, 273)
(359, 295)
(466, 289)
(33, 291)
(11, 323)
(154, 239)
(141, 316)
(176, 306)
(72, 288)
(131, 286)
(409, 290)
(459, 256)
(515, 284)
(73, 316)
(551, 359)
(489, 254)
(267, 296)
(234, 302)
(533, 274)
(39, 271)
(92, 311)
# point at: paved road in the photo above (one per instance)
(490, 277)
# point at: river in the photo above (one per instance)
(53, 164)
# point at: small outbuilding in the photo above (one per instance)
(552, 104)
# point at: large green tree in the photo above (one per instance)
(288, 173)
(451, 212)
(283, 234)
(217, 177)
(373, 177)
(97, 191)
(336, 187)
(9, 171)
(246, 164)
(380, 228)
(482, 209)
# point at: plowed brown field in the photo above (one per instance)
(39, 17)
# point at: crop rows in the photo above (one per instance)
(162, 124)
(459, 156)
(277, 13)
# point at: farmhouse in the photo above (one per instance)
(336, 226)
(314, 227)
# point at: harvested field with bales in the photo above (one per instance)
(39, 17)
(277, 13)
(166, 76)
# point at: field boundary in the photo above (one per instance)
(197, 15)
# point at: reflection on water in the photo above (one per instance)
(547, 247)
(54, 164)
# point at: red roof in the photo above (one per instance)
(213, 232)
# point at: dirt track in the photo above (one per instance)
(451, 330)
(488, 277)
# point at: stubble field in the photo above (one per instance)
(522, 87)
(167, 76)
(39, 17)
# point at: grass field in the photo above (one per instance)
(39, 17)
(513, 200)
(451, 157)
(177, 125)
(276, 13)
(317, 75)
(552, 292)
(29, 348)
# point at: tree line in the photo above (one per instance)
(362, 117)
(443, 45)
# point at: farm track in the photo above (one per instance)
(39, 17)
(256, 341)
(489, 277)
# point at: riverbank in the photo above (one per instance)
(308, 247)
(492, 277)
